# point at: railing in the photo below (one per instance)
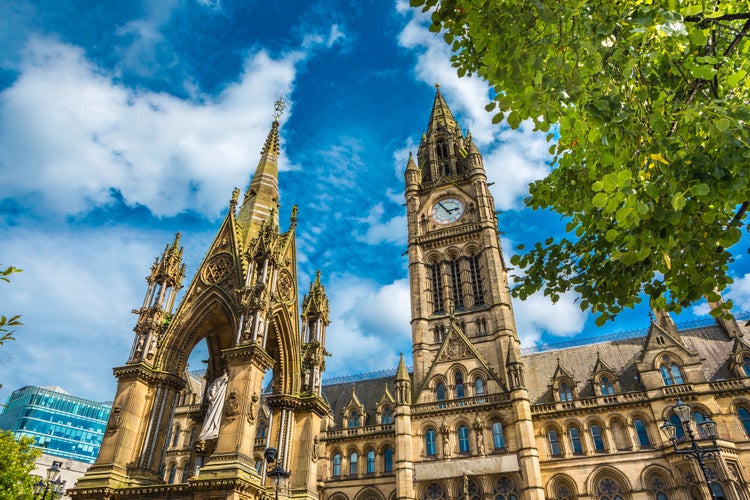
(586, 403)
(670, 390)
(728, 385)
(459, 403)
(359, 431)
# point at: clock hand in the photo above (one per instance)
(444, 208)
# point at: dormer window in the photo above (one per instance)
(353, 419)
(670, 372)
(605, 386)
(564, 392)
(386, 416)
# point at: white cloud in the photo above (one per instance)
(367, 318)
(77, 135)
(378, 230)
(739, 292)
(537, 314)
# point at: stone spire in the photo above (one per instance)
(262, 197)
(441, 115)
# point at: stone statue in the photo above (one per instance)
(315, 450)
(215, 395)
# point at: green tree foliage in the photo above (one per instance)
(17, 459)
(5, 322)
(652, 145)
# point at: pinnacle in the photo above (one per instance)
(441, 115)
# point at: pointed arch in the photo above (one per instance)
(283, 345)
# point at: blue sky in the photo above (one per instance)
(122, 123)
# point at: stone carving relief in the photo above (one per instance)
(218, 269)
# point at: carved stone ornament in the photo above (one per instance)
(251, 409)
(232, 407)
(285, 286)
(455, 349)
(218, 269)
(315, 449)
(115, 419)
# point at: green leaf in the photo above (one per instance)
(700, 189)
(597, 186)
(678, 201)
(600, 200)
(736, 77)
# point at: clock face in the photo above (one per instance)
(447, 210)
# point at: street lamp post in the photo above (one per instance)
(52, 485)
(278, 471)
(696, 451)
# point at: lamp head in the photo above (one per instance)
(669, 430)
(709, 428)
(270, 455)
(683, 411)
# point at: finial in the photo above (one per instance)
(293, 218)
(317, 276)
(235, 197)
(437, 87)
(278, 107)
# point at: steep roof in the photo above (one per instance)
(369, 392)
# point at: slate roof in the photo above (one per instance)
(711, 343)
(369, 393)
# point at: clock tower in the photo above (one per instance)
(464, 340)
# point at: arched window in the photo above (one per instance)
(442, 150)
(176, 437)
(429, 441)
(459, 378)
(606, 387)
(505, 489)
(192, 436)
(479, 387)
(640, 430)
(670, 372)
(497, 436)
(371, 462)
(434, 491)
(744, 419)
(563, 492)
(746, 365)
(608, 489)
(718, 491)
(699, 418)
(337, 465)
(258, 466)
(353, 419)
(185, 472)
(596, 436)
(386, 417)
(388, 460)
(475, 490)
(260, 432)
(172, 474)
(554, 443)
(463, 439)
(353, 463)
(440, 392)
(575, 440)
(565, 393)
(659, 488)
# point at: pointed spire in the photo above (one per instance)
(402, 374)
(262, 196)
(315, 302)
(411, 164)
(441, 115)
(512, 357)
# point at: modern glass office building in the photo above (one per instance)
(62, 425)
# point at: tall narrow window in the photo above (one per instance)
(606, 387)
(479, 387)
(440, 392)
(337, 465)
(429, 441)
(260, 432)
(744, 418)
(575, 441)
(371, 462)
(670, 372)
(185, 472)
(458, 298)
(437, 289)
(459, 379)
(596, 436)
(476, 280)
(463, 439)
(172, 474)
(388, 460)
(353, 463)
(176, 437)
(676, 374)
(442, 150)
(640, 430)
(497, 436)
(554, 443)
(746, 365)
